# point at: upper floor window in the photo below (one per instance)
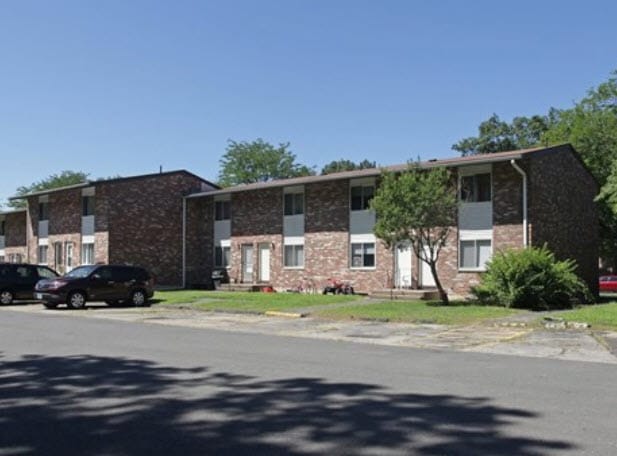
(361, 196)
(222, 210)
(294, 203)
(87, 205)
(2, 227)
(43, 211)
(476, 188)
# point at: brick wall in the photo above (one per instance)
(199, 246)
(144, 221)
(562, 211)
(15, 226)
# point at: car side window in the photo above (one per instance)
(6, 272)
(104, 273)
(124, 274)
(46, 273)
(24, 272)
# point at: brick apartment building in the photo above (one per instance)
(284, 232)
(132, 220)
(13, 236)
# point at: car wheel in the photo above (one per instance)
(50, 305)
(6, 297)
(139, 298)
(76, 300)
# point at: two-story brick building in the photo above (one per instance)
(283, 232)
(13, 236)
(130, 220)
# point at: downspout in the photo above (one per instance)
(184, 242)
(525, 223)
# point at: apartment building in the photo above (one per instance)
(284, 232)
(132, 220)
(13, 236)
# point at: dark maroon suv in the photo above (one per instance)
(113, 284)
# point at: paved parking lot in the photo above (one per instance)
(575, 345)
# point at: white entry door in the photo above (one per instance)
(68, 257)
(402, 266)
(264, 262)
(426, 276)
(247, 263)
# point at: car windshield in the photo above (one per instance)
(81, 272)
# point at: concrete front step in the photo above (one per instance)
(404, 294)
(242, 286)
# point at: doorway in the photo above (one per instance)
(247, 263)
(402, 265)
(264, 262)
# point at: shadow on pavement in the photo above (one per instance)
(99, 405)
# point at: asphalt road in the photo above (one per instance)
(77, 386)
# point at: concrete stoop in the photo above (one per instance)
(405, 294)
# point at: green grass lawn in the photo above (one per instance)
(602, 316)
(246, 301)
(418, 312)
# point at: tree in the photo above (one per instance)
(258, 161)
(418, 206)
(54, 181)
(336, 166)
(495, 135)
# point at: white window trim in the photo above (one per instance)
(362, 268)
(475, 239)
(291, 242)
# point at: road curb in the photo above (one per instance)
(276, 313)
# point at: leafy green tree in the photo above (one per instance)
(54, 181)
(418, 206)
(258, 161)
(336, 166)
(496, 135)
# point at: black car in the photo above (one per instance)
(114, 284)
(17, 280)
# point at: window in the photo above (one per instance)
(24, 272)
(43, 211)
(473, 254)
(2, 227)
(361, 196)
(363, 255)
(42, 254)
(87, 205)
(45, 273)
(222, 256)
(87, 253)
(15, 258)
(476, 188)
(294, 256)
(294, 203)
(222, 210)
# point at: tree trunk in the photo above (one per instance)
(442, 293)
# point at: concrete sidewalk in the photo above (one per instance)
(491, 337)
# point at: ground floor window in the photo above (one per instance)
(42, 254)
(222, 256)
(363, 255)
(87, 253)
(294, 256)
(473, 254)
(15, 258)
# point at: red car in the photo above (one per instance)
(608, 283)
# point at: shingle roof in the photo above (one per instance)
(370, 172)
(90, 183)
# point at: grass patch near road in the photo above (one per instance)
(418, 312)
(247, 301)
(603, 316)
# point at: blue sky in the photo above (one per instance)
(121, 87)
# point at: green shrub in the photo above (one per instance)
(531, 279)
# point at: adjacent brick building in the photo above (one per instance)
(133, 220)
(284, 233)
(13, 236)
